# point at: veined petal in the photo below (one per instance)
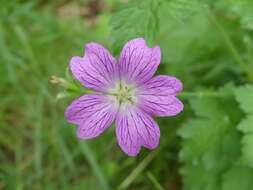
(97, 70)
(158, 96)
(134, 129)
(138, 62)
(92, 113)
(163, 85)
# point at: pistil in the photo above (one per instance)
(123, 93)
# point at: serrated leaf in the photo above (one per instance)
(181, 9)
(246, 125)
(207, 107)
(214, 107)
(244, 95)
(143, 18)
(201, 135)
(238, 178)
(196, 177)
(211, 143)
(137, 19)
(247, 148)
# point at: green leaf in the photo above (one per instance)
(247, 148)
(238, 178)
(246, 125)
(241, 9)
(208, 107)
(137, 19)
(143, 18)
(196, 177)
(244, 9)
(181, 9)
(211, 143)
(199, 136)
(244, 95)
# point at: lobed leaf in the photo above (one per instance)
(244, 96)
(211, 143)
(238, 177)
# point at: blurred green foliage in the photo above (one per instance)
(207, 44)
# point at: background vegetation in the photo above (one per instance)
(208, 44)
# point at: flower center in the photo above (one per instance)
(123, 93)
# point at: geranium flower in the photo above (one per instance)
(125, 91)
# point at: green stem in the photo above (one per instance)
(98, 172)
(152, 178)
(228, 42)
(145, 162)
(230, 45)
(133, 175)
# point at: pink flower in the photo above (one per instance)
(125, 91)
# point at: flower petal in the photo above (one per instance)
(134, 129)
(158, 96)
(163, 85)
(92, 113)
(97, 69)
(138, 62)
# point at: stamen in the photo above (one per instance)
(123, 93)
